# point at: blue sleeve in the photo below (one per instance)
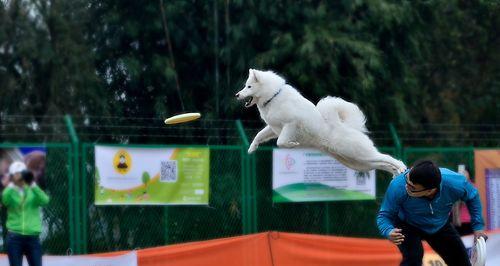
(471, 197)
(388, 213)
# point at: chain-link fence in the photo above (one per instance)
(353, 218)
(233, 201)
(128, 227)
(240, 190)
(449, 157)
(123, 227)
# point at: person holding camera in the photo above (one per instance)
(23, 199)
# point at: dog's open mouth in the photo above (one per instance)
(249, 101)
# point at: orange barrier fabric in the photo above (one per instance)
(275, 249)
(242, 250)
(298, 249)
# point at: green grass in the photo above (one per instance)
(155, 193)
(315, 192)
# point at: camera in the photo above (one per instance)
(27, 176)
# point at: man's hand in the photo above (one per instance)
(478, 234)
(396, 237)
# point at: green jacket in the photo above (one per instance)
(23, 209)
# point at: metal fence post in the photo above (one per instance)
(84, 203)
(165, 221)
(71, 200)
(245, 182)
(327, 218)
(397, 141)
(253, 191)
(76, 185)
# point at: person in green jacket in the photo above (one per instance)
(23, 199)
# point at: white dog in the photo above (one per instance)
(333, 126)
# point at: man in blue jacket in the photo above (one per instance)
(416, 207)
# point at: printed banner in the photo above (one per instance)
(151, 176)
(301, 175)
(129, 259)
(487, 167)
(493, 198)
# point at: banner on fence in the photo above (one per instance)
(301, 175)
(487, 165)
(493, 198)
(151, 176)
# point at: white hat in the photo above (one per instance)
(16, 167)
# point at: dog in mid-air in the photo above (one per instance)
(333, 126)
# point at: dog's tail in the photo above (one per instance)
(335, 110)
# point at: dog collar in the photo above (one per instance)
(268, 101)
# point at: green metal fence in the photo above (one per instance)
(240, 203)
(240, 199)
(355, 218)
(449, 157)
(127, 227)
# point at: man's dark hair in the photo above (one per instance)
(426, 173)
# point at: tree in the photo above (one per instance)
(145, 179)
(46, 65)
(410, 63)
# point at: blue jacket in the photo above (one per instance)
(429, 215)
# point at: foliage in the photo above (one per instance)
(406, 62)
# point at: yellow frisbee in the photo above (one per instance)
(182, 118)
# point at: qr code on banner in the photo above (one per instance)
(168, 171)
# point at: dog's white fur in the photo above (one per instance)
(334, 126)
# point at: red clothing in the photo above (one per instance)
(464, 213)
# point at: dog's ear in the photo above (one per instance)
(253, 75)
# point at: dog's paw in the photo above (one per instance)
(288, 145)
(253, 147)
(292, 144)
(398, 171)
(401, 169)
